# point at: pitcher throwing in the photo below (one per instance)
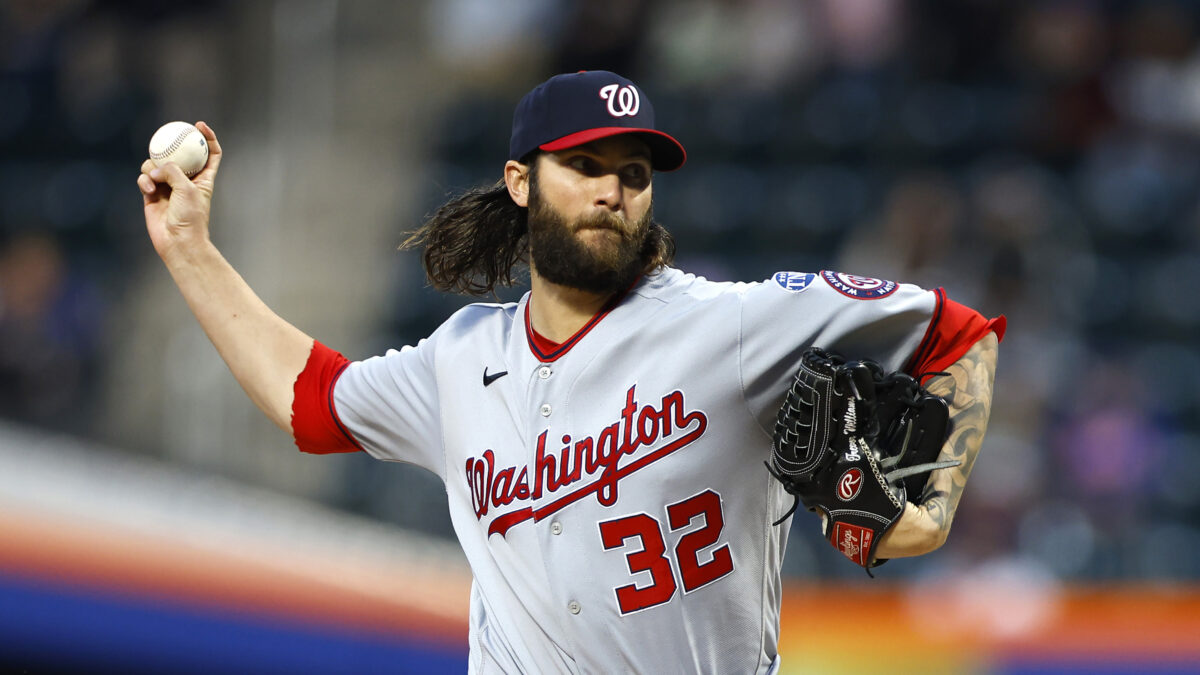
(602, 441)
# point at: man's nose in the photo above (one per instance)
(608, 191)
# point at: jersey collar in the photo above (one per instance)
(547, 351)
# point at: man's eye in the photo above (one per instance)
(636, 173)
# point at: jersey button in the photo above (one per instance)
(573, 607)
(544, 372)
(556, 527)
(546, 410)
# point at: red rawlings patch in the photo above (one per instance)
(854, 541)
(850, 484)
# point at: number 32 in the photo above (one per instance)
(652, 556)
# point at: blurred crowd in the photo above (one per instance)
(1037, 159)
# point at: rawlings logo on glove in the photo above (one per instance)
(850, 483)
(851, 443)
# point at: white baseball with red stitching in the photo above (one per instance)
(181, 143)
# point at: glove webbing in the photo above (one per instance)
(898, 474)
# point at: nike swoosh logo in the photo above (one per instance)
(488, 379)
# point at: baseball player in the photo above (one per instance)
(602, 440)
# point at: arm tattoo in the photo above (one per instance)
(968, 390)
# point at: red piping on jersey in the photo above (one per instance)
(316, 426)
(953, 330)
(547, 350)
(543, 344)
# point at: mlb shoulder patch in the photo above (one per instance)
(861, 288)
(794, 281)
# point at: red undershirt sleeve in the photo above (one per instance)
(315, 424)
(954, 329)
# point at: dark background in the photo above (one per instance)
(1037, 159)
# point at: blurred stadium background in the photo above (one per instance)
(1038, 158)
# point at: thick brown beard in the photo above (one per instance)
(561, 258)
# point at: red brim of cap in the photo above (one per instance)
(666, 153)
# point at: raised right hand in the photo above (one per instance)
(177, 208)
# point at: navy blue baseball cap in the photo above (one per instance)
(576, 108)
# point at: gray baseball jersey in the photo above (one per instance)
(610, 492)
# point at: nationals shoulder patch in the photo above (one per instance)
(794, 282)
(861, 288)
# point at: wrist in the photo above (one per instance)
(190, 254)
(915, 533)
(197, 268)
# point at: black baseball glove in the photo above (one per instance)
(853, 443)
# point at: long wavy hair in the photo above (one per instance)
(474, 242)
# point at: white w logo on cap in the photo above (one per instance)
(622, 101)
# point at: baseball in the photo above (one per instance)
(181, 143)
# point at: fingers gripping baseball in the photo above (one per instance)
(176, 207)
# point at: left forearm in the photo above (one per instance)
(968, 390)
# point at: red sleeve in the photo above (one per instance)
(955, 328)
(315, 424)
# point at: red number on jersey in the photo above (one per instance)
(693, 572)
(650, 558)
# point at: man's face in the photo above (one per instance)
(590, 208)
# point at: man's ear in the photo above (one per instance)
(516, 177)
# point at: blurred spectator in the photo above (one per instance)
(1155, 81)
(727, 47)
(1110, 447)
(49, 336)
(863, 34)
(918, 238)
(603, 35)
(490, 43)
